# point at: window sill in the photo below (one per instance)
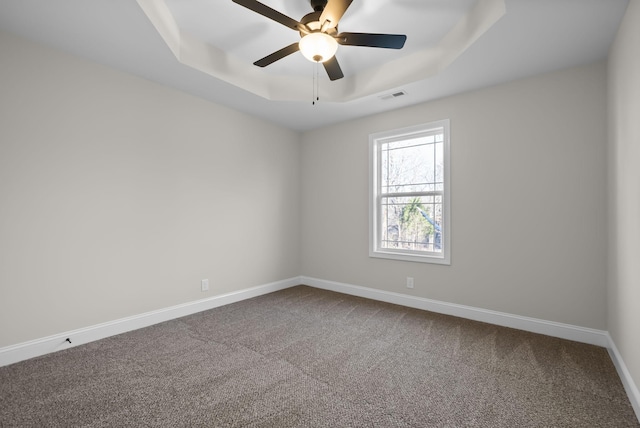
(406, 257)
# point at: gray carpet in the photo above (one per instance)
(304, 357)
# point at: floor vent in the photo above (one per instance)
(391, 96)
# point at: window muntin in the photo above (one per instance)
(410, 193)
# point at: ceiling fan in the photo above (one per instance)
(319, 34)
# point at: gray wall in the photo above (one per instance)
(624, 191)
(118, 195)
(528, 200)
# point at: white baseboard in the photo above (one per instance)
(627, 381)
(23, 351)
(549, 328)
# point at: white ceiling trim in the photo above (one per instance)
(209, 59)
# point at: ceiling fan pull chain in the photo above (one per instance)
(317, 81)
(313, 86)
(314, 80)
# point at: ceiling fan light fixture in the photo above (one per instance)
(318, 46)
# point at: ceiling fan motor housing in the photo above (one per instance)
(312, 22)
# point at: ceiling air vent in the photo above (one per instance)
(392, 96)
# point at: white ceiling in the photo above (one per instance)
(532, 37)
(249, 36)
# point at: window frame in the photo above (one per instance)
(376, 140)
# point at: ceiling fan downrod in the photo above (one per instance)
(318, 5)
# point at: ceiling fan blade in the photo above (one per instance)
(270, 59)
(333, 11)
(333, 69)
(389, 41)
(273, 14)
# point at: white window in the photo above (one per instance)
(409, 194)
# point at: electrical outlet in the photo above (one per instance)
(204, 284)
(409, 282)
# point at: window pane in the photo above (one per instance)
(412, 223)
(439, 166)
(412, 165)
